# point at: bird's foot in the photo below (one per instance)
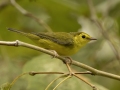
(68, 60)
(55, 53)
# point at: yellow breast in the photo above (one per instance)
(60, 49)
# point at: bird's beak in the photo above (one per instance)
(92, 38)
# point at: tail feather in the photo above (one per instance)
(29, 35)
(15, 30)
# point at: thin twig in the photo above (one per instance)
(86, 67)
(69, 69)
(62, 81)
(87, 72)
(54, 81)
(71, 73)
(94, 88)
(13, 82)
(102, 29)
(26, 13)
(34, 73)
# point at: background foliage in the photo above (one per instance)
(60, 15)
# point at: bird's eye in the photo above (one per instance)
(83, 36)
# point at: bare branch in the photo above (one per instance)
(102, 29)
(92, 70)
(95, 71)
(34, 73)
(26, 13)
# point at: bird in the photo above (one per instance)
(64, 43)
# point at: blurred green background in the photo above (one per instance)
(60, 15)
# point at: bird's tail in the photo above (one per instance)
(29, 35)
(17, 31)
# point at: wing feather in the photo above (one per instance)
(61, 38)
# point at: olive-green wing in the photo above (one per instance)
(61, 38)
